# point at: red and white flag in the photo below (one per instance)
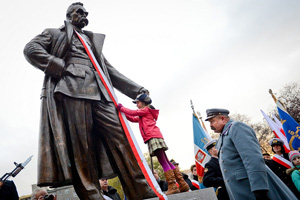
(278, 131)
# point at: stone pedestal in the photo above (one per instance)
(203, 194)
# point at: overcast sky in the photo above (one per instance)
(218, 53)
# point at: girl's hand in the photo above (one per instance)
(119, 106)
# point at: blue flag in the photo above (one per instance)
(290, 126)
(200, 136)
(200, 139)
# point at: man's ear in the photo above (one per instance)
(68, 16)
(222, 117)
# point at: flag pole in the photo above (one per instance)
(273, 96)
(200, 117)
(192, 106)
(276, 100)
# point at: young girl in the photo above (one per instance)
(146, 116)
(278, 168)
(295, 171)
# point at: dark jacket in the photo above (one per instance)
(9, 191)
(188, 181)
(112, 193)
(280, 171)
(213, 178)
(162, 184)
(47, 52)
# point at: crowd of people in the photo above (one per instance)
(239, 170)
(79, 117)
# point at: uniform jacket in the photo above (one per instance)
(213, 178)
(280, 171)
(146, 117)
(47, 52)
(243, 167)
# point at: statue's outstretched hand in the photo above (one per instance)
(143, 90)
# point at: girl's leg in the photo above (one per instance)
(166, 158)
(163, 160)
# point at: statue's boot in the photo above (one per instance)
(172, 187)
(183, 186)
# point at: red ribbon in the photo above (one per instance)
(124, 124)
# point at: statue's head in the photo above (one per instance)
(76, 15)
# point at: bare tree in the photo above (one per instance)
(264, 134)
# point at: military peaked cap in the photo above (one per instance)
(214, 112)
(276, 141)
(210, 144)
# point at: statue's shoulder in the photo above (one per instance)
(94, 34)
(54, 31)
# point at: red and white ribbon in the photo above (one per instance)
(282, 161)
(128, 132)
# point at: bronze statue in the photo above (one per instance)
(81, 138)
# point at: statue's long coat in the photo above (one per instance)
(47, 54)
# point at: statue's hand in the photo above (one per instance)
(143, 90)
(55, 67)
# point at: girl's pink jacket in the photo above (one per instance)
(146, 117)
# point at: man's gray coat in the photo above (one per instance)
(243, 167)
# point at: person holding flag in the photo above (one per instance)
(212, 172)
(280, 163)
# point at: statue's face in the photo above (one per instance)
(78, 17)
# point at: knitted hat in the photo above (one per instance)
(293, 154)
(143, 98)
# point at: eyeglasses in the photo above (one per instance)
(82, 12)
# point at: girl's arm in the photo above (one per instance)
(132, 119)
(127, 111)
(296, 179)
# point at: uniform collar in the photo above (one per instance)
(227, 127)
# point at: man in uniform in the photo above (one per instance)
(212, 172)
(81, 137)
(243, 169)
